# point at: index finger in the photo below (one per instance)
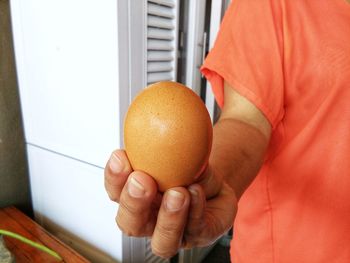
(116, 173)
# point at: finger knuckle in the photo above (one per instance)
(195, 226)
(113, 196)
(127, 229)
(130, 208)
(192, 232)
(198, 218)
(122, 227)
(136, 225)
(167, 231)
(167, 241)
(112, 190)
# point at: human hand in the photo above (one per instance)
(181, 217)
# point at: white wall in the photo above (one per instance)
(67, 65)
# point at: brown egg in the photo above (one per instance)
(168, 134)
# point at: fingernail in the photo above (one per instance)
(194, 196)
(174, 200)
(135, 189)
(116, 164)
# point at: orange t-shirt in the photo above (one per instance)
(292, 60)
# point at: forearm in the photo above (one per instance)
(237, 153)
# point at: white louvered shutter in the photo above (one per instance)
(162, 40)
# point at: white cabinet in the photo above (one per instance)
(70, 201)
(67, 64)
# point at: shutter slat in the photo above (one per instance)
(159, 66)
(159, 45)
(159, 10)
(157, 33)
(160, 22)
(159, 55)
(169, 3)
(159, 76)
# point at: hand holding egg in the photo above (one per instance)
(168, 134)
(168, 138)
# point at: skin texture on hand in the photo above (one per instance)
(181, 217)
(199, 214)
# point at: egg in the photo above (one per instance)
(168, 134)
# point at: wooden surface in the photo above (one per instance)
(13, 220)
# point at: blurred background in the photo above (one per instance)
(68, 71)
(14, 182)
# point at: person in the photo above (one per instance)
(279, 169)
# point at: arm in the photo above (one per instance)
(241, 137)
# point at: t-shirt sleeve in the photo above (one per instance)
(248, 54)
